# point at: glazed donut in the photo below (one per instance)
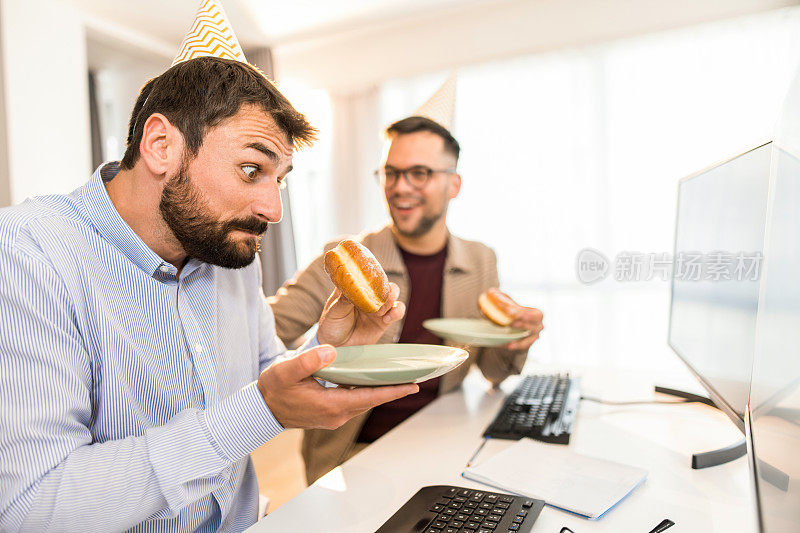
(356, 272)
(498, 307)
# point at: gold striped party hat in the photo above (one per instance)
(441, 107)
(210, 35)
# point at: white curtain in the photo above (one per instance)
(332, 182)
(356, 153)
(584, 148)
(278, 258)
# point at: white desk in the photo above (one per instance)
(431, 448)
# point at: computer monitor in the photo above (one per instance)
(716, 268)
(774, 417)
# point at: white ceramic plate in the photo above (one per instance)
(391, 364)
(474, 331)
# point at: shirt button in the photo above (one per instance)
(198, 348)
(164, 268)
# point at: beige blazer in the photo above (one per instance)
(470, 269)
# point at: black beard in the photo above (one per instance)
(424, 226)
(203, 237)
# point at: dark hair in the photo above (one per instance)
(416, 123)
(199, 94)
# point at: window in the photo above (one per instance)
(584, 148)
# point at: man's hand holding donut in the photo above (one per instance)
(364, 303)
(294, 397)
(501, 309)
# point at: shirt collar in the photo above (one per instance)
(115, 230)
(387, 252)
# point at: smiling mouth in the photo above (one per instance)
(405, 205)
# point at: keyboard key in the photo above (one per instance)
(451, 530)
(485, 505)
(494, 517)
(444, 517)
(466, 510)
(518, 519)
(491, 498)
(499, 510)
(483, 530)
(481, 512)
(455, 505)
(449, 493)
(522, 513)
(436, 508)
(456, 525)
(513, 527)
(462, 517)
(478, 496)
(472, 525)
(439, 524)
(507, 499)
(527, 504)
(471, 505)
(489, 525)
(450, 511)
(433, 530)
(459, 499)
(465, 492)
(503, 505)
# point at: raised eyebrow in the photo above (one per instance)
(264, 150)
(291, 167)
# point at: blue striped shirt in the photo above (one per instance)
(127, 396)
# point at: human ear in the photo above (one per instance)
(455, 185)
(161, 145)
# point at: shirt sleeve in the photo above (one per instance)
(298, 305)
(272, 348)
(53, 474)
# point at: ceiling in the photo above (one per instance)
(257, 22)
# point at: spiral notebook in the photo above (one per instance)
(583, 485)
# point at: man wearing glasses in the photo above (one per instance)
(439, 274)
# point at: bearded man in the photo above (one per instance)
(138, 357)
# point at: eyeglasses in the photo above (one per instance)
(417, 176)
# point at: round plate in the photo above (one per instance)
(391, 364)
(474, 331)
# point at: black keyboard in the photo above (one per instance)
(541, 408)
(448, 509)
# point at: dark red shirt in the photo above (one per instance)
(426, 274)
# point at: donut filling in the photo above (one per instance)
(493, 312)
(361, 284)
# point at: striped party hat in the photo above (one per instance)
(441, 107)
(210, 35)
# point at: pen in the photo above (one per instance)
(665, 524)
(474, 455)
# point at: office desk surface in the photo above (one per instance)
(432, 447)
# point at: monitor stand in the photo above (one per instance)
(714, 457)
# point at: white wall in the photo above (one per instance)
(442, 39)
(123, 60)
(46, 97)
(118, 88)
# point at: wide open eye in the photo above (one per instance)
(251, 171)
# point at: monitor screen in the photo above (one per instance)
(775, 393)
(716, 269)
